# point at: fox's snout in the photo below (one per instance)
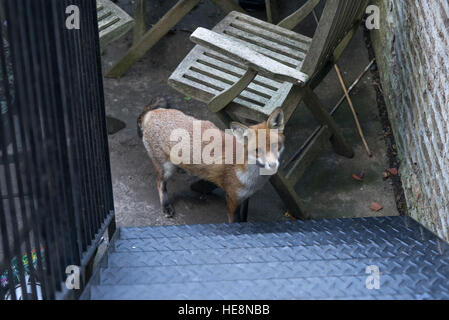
(273, 165)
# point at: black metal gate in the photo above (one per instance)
(55, 184)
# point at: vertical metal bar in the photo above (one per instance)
(105, 146)
(16, 245)
(67, 125)
(45, 159)
(61, 169)
(42, 65)
(46, 138)
(96, 180)
(56, 190)
(17, 163)
(25, 159)
(66, 69)
(79, 108)
(31, 120)
(31, 123)
(3, 228)
(68, 80)
(106, 186)
(88, 162)
(60, 144)
(91, 15)
(89, 107)
(64, 93)
(7, 252)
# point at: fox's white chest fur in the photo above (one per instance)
(252, 181)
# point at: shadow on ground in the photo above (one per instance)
(328, 190)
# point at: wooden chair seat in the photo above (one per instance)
(113, 22)
(204, 73)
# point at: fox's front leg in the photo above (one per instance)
(233, 209)
(167, 208)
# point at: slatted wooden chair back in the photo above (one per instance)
(338, 18)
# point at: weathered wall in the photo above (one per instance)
(412, 49)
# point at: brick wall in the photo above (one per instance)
(412, 51)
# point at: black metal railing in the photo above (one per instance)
(55, 184)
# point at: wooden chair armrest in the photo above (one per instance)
(225, 97)
(252, 59)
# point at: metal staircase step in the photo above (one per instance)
(416, 268)
(322, 259)
(324, 225)
(363, 234)
(345, 287)
(428, 251)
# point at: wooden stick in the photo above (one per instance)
(357, 122)
(354, 84)
(342, 83)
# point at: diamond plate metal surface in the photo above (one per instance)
(321, 259)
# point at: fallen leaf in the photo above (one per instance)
(187, 98)
(356, 177)
(393, 171)
(376, 206)
(288, 215)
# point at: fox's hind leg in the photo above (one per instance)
(164, 174)
(167, 207)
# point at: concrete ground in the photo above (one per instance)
(328, 190)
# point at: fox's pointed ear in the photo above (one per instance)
(240, 131)
(276, 120)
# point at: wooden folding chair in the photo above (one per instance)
(246, 67)
(113, 22)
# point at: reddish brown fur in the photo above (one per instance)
(157, 126)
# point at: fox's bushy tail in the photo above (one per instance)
(156, 103)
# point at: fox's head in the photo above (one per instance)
(264, 142)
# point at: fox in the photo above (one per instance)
(239, 179)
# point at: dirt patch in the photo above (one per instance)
(389, 138)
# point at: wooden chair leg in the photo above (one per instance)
(272, 11)
(289, 196)
(140, 18)
(338, 141)
(228, 6)
(225, 118)
(151, 37)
